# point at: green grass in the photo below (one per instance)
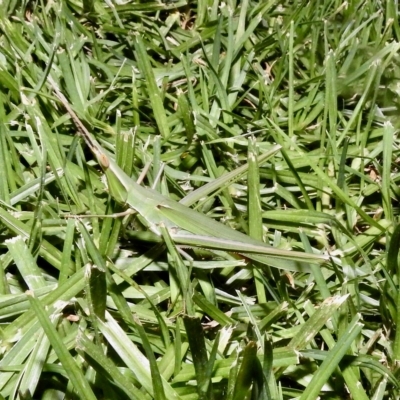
(188, 97)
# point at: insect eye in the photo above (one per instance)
(103, 160)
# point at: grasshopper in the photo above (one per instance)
(185, 226)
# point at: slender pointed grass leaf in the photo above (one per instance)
(104, 363)
(254, 211)
(195, 335)
(314, 324)
(34, 366)
(64, 292)
(388, 137)
(324, 178)
(155, 373)
(160, 318)
(312, 391)
(131, 356)
(246, 374)
(74, 372)
(26, 263)
(152, 88)
(211, 310)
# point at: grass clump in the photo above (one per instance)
(279, 120)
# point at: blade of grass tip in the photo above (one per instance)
(266, 322)
(115, 13)
(331, 100)
(162, 324)
(355, 114)
(207, 287)
(212, 169)
(142, 262)
(211, 310)
(98, 297)
(251, 317)
(71, 368)
(110, 239)
(291, 81)
(225, 72)
(202, 12)
(349, 375)
(25, 262)
(388, 139)
(95, 352)
(315, 323)
(341, 176)
(391, 15)
(316, 271)
(34, 366)
(220, 94)
(125, 151)
(11, 176)
(88, 6)
(91, 203)
(166, 364)
(29, 188)
(80, 70)
(97, 291)
(204, 105)
(180, 269)
(282, 358)
(216, 52)
(300, 217)
(327, 181)
(15, 163)
(195, 335)
(130, 154)
(254, 211)
(131, 356)
(158, 387)
(69, 79)
(4, 189)
(267, 366)
(18, 353)
(328, 366)
(298, 180)
(56, 156)
(178, 347)
(64, 292)
(240, 35)
(232, 378)
(36, 233)
(213, 10)
(186, 115)
(152, 88)
(17, 304)
(379, 393)
(135, 103)
(245, 376)
(67, 251)
(226, 179)
(4, 285)
(118, 123)
(118, 297)
(392, 266)
(156, 164)
(211, 362)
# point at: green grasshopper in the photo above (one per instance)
(186, 227)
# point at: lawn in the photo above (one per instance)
(199, 200)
